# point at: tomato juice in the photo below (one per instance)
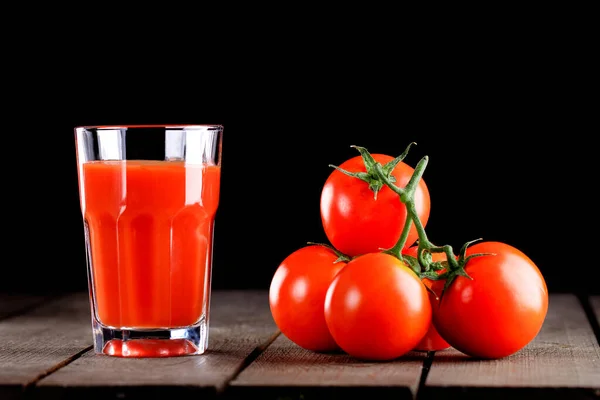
(149, 227)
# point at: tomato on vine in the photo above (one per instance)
(493, 299)
(376, 308)
(432, 341)
(362, 215)
(497, 306)
(297, 296)
(375, 297)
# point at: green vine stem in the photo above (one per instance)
(407, 197)
(370, 176)
(341, 256)
(424, 267)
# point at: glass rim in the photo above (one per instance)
(150, 126)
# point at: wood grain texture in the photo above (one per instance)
(563, 361)
(46, 350)
(15, 304)
(240, 322)
(284, 370)
(35, 343)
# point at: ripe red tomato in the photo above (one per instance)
(377, 308)
(500, 310)
(357, 223)
(297, 296)
(432, 341)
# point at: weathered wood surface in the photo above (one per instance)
(240, 323)
(563, 360)
(285, 369)
(45, 352)
(38, 342)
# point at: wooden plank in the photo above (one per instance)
(12, 304)
(284, 370)
(37, 342)
(595, 303)
(563, 361)
(240, 323)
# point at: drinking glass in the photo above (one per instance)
(148, 196)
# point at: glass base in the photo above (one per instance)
(137, 343)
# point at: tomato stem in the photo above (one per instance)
(371, 177)
(406, 195)
(376, 176)
(397, 249)
(341, 256)
(423, 266)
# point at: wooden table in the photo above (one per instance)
(45, 352)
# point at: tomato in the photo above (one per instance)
(357, 223)
(297, 296)
(500, 310)
(376, 308)
(432, 341)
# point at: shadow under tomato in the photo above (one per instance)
(299, 357)
(454, 356)
(330, 352)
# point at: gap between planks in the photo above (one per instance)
(55, 368)
(31, 385)
(243, 364)
(567, 336)
(591, 306)
(17, 305)
(425, 371)
(587, 303)
(249, 359)
(256, 375)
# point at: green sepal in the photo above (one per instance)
(389, 166)
(462, 262)
(371, 176)
(430, 290)
(439, 265)
(413, 263)
(431, 275)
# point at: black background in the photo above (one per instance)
(504, 121)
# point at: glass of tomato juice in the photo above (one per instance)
(148, 196)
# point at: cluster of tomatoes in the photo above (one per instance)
(356, 296)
